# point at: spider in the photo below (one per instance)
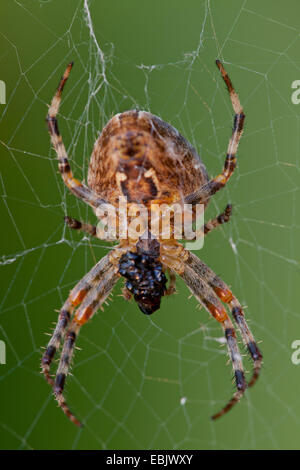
(145, 159)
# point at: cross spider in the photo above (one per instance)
(145, 159)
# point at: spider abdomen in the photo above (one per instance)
(143, 158)
(145, 279)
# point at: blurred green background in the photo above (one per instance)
(142, 382)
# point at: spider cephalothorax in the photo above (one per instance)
(145, 160)
(144, 271)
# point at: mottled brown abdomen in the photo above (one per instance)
(143, 158)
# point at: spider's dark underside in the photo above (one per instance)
(146, 279)
(146, 160)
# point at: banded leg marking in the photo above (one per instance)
(205, 294)
(76, 187)
(54, 343)
(88, 308)
(225, 294)
(81, 226)
(217, 183)
(248, 339)
(237, 365)
(63, 368)
(77, 295)
(221, 219)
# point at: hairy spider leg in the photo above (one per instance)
(221, 219)
(224, 293)
(81, 226)
(76, 187)
(217, 183)
(206, 296)
(91, 303)
(58, 334)
(76, 296)
(64, 364)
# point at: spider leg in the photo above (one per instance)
(171, 289)
(60, 378)
(217, 183)
(237, 364)
(81, 226)
(76, 296)
(225, 294)
(92, 302)
(211, 302)
(222, 218)
(54, 343)
(76, 187)
(127, 295)
(206, 296)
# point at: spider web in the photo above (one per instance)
(142, 382)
